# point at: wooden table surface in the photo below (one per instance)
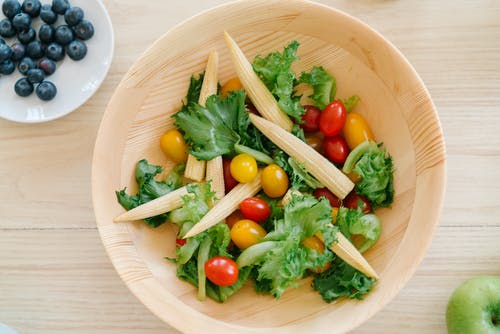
(55, 276)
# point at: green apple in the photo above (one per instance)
(474, 307)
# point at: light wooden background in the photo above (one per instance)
(54, 274)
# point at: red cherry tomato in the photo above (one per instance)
(332, 119)
(180, 242)
(336, 149)
(315, 140)
(251, 109)
(255, 209)
(311, 119)
(324, 192)
(221, 271)
(229, 181)
(353, 200)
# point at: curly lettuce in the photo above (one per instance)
(221, 127)
(374, 165)
(355, 223)
(150, 188)
(281, 258)
(191, 257)
(275, 72)
(342, 280)
(323, 83)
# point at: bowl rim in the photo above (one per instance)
(148, 284)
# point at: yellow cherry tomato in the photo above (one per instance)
(173, 145)
(243, 168)
(356, 130)
(274, 181)
(246, 233)
(315, 244)
(232, 85)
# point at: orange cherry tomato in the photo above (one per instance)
(356, 130)
(173, 145)
(246, 233)
(232, 85)
(274, 181)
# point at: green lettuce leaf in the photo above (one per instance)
(275, 72)
(289, 260)
(376, 171)
(342, 280)
(149, 188)
(191, 256)
(323, 83)
(354, 222)
(222, 127)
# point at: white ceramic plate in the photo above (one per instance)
(76, 81)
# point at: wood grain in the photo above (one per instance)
(55, 276)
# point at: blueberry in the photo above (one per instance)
(76, 50)
(18, 51)
(60, 6)
(84, 30)
(25, 65)
(64, 35)
(35, 75)
(21, 22)
(5, 52)
(34, 50)
(26, 36)
(23, 87)
(32, 7)
(73, 16)
(47, 65)
(47, 14)
(11, 8)
(7, 67)
(46, 33)
(46, 91)
(54, 51)
(7, 29)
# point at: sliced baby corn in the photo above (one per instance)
(215, 173)
(314, 162)
(343, 247)
(165, 203)
(263, 100)
(195, 169)
(227, 205)
(347, 252)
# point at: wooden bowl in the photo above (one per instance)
(394, 101)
